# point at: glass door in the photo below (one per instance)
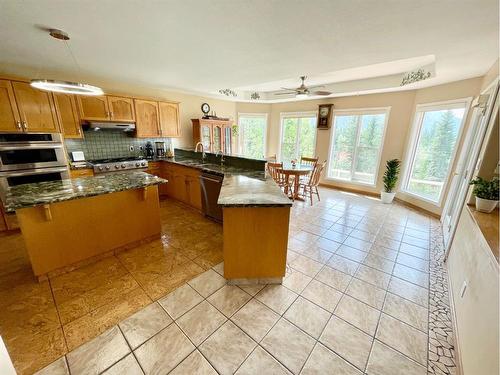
(227, 140)
(217, 145)
(206, 137)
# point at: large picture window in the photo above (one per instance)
(252, 129)
(436, 130)
(355, 145)
(298, 135)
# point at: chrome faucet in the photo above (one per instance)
(203, 155)
(221, 153)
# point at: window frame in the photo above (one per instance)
(284, 115)
(413, 141)
(253, 115)
(358, 112)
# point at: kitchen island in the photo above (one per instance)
(65, 223)
(256, 219)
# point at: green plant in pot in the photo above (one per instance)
(486, 193)
(391, 176)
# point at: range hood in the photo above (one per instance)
(123, 126)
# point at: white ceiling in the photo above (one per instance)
(246, 45)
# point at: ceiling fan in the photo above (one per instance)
(303, 91)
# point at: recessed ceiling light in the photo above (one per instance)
(64, 86)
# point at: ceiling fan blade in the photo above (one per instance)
(322, 93)
(285, 93)
(287, 89)
(315, 86)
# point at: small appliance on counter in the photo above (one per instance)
(78, 159)
(150, 152)
(170, 152)
(160, 149)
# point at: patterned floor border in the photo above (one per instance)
(441, 359)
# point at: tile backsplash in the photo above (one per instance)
(109, 144)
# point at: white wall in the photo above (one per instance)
(402, 106)
(476, 313)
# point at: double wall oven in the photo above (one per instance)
(27, 158)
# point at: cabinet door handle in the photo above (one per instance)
(18, 123)
(25, 125)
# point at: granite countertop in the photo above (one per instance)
(242, 191)
(29, 195)
(240, 187)
(221, 170)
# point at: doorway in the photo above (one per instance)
(484, 113)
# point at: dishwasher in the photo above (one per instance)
(211, 184)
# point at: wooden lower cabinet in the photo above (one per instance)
(193, 189)
(8, 221)
(75, 173)
(183, 182)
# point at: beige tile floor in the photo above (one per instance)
(39, 322)
(354, 300)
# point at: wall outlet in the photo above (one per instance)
(131, 148)
(141, 148)
(463, 289)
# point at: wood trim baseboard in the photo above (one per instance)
(349, 190)
(377, 195)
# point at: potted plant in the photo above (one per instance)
(390, 179)
(486, 193)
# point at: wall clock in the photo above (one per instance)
(205, 108)
(324, 116)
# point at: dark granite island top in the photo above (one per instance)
(30, 195)
(243, 191)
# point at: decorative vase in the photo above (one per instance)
(386, 197)
(485, 205)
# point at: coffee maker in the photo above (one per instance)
(160, 149)
(150, 152)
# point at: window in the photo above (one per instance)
(355, 146)
(434, 139)
(298, 135)
(252, 134)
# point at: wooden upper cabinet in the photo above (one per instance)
(67, 114)
(169, 119)
(9, 115)
(93, 108)
(147, 118)
(121, 109)
(36, 108)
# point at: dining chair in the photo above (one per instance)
(275, 170)
(308, 161)
(311, 186)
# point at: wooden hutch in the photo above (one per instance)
(216, 135)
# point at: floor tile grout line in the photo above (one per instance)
(132, 350)
(59, 318)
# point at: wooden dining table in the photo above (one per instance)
(295, 171)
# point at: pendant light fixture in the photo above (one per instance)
(64, 86)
